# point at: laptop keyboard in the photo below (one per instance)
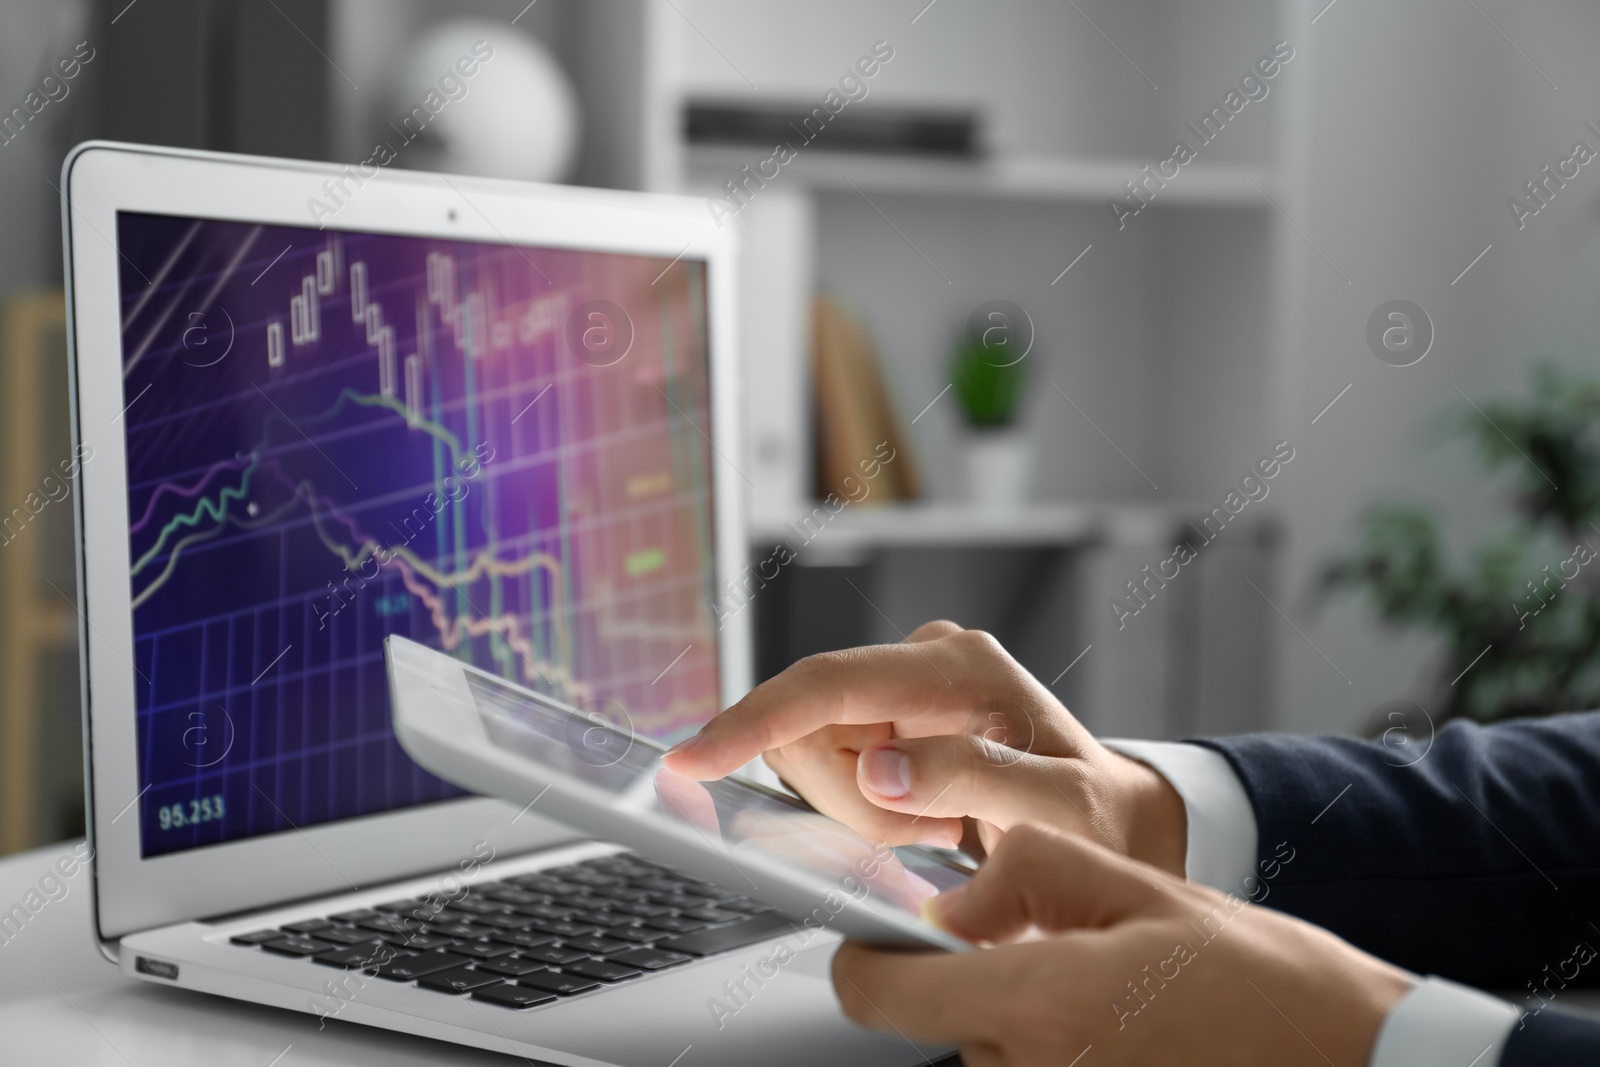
(535, 938)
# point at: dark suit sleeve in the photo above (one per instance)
(1553, 1039)
(1475, 857)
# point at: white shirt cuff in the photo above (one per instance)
(1439, 1024)
(1222, 839)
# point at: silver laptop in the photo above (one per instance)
(315, 406)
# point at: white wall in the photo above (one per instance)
(1424, 120)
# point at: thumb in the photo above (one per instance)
(1053, 881)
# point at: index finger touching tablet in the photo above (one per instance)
(879, 683)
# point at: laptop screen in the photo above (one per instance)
(498, 451)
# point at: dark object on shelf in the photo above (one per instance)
(806, 610)
(945, 135)
(1521, 623)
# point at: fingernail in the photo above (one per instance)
(936, 908)
(886, 771)
(683, 746)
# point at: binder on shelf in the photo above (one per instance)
(854, 413)
(41, 761)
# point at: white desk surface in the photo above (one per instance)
(94, 1017)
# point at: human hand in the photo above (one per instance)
(906, 743)
(1095, 950)
(801, 838)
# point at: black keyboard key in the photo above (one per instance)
(659, 884)
(484, 950)
(396, 924)
(622, 893)
(523, 938)
(449, 915)
(640, 934)
(511, 996)
(580, 901)
(478, 907)
(400, 940)
(297, 945)
(606, 972)
(712, 915)
(409, 968)
(308, 926)
(721, 897)
(360, 915)
(406, 907)
(256, 937)
(599, 946)
(552, 954)
(459, 980)
(465, 931)
(510, 966)
(749, 907)
(642, 909)
(725, 938)
(566, 985)
(649, 959)
(505, 922)
(592, 878)
(540, 883)
(359, 957)
(530, 881)
(545, 911)
(606, 918)
(562, 871)
(510, 894)
(675, 925)
(666, 900)
(561, 929)
(428, 942)
(345, 935)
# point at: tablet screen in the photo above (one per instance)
(732, 815)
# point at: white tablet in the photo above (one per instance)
(586, 769)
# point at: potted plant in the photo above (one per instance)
(1520, 622)
(988, 381)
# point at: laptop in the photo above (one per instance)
(315, 406)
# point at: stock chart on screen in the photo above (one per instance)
(333, 436)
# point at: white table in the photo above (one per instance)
(93, 1017)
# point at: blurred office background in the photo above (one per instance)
(1170, 353)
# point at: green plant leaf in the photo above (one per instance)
(988, 383)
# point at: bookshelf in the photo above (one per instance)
(1035, 178)
(1170, 335)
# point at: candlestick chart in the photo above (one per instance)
(497, 450)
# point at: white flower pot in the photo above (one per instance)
(999, 467)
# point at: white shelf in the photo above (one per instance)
(963, 525)
(941, 525)
(1020, 178)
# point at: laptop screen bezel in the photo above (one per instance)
(99, 180)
